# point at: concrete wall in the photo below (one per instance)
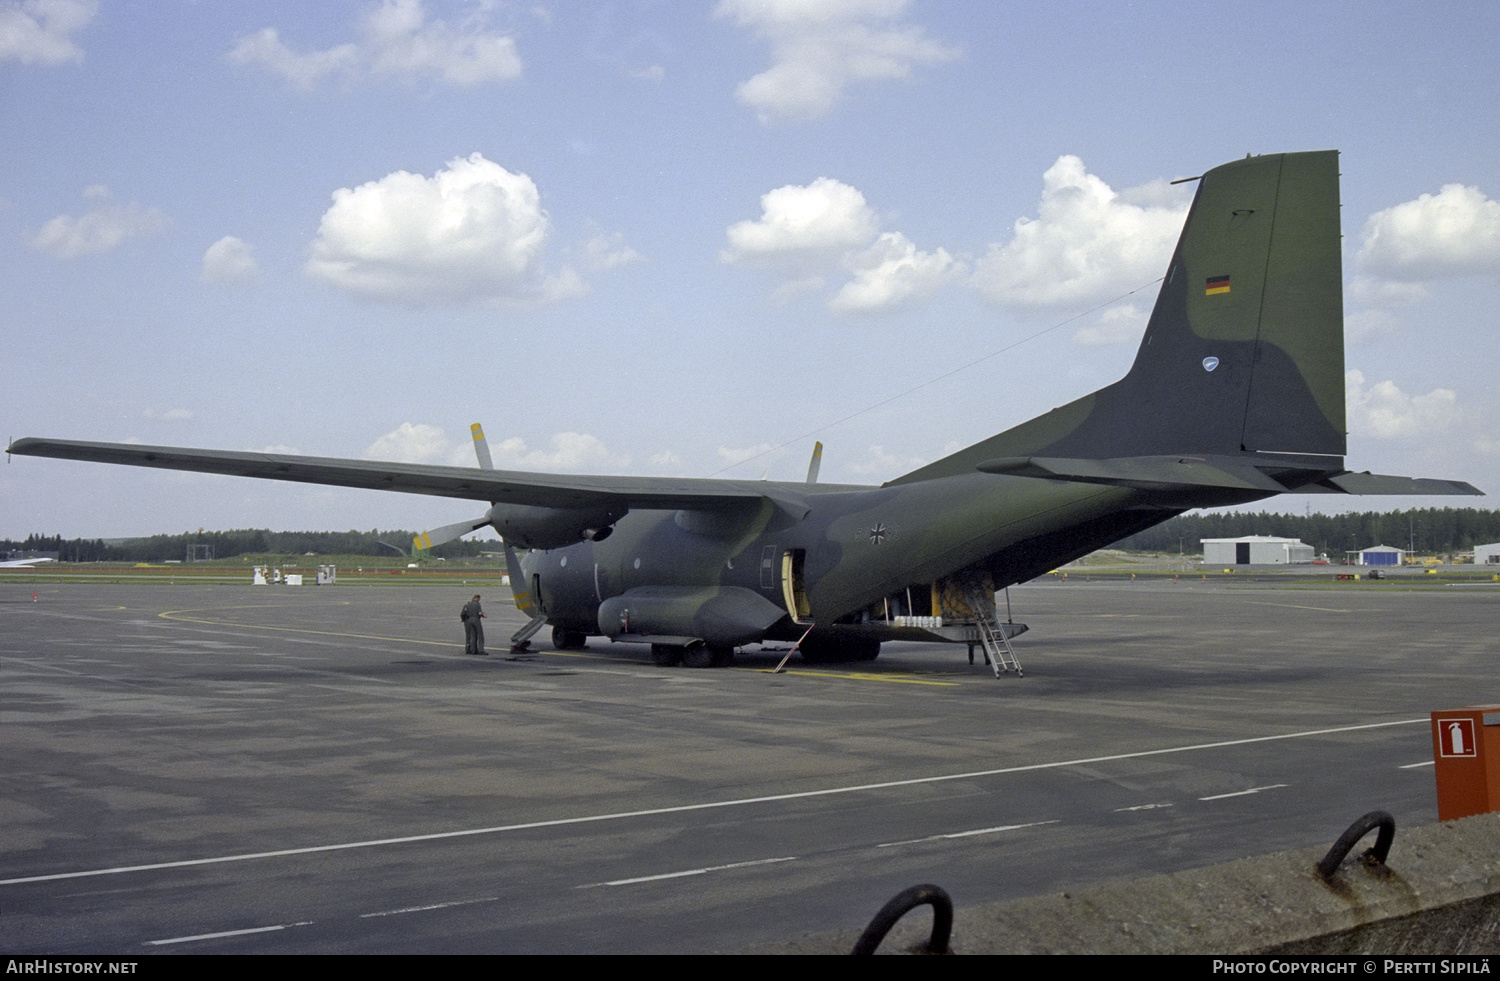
(1438, 894)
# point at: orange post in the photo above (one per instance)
(1466, 758)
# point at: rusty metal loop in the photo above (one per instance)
(1357, 830)
(905, 902)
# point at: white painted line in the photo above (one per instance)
(1245, 793)
(707, 806)
(1415, 766)
(423, 909)
(1142, 807)
(967, 834)
(688, 872)
(990, 831)
(226, 933)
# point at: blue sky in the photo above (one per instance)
(688, 238)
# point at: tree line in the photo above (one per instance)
(1427, 531)
(247, 541)
(1423, 530)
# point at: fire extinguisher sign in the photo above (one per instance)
(1456, 738)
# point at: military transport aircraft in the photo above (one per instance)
(1236, 394)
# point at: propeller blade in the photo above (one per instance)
(481, 448)
(817, 462)
(447, 533)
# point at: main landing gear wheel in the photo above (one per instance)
(697, 656)
(569, 640)
(709, 657)
(666, 656)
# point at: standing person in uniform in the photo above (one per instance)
(473, 629)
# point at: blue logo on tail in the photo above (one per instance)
(1209, 364)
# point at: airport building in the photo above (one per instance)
(1381, 555)
(1487, 554)
(1256, 550)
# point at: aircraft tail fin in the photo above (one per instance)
(1243, 356)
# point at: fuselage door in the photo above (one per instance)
(792, 587)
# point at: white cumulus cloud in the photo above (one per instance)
(816, 231)
(1123, 324)
(229, 261)
(891, 272)
(37, 32)
(609, 252)
(423, 443)
(820, 47)
(104, 227)
(733, 456)
(565, 451)
(1361, 326)
(414, 443)
(1455, 232)
(474, 231)
(881, 464)
(394, 39)
(1373, 291)
(1088, 243)
(801, 223)
(1384, 411)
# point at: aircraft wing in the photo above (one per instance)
(495, 486)
(1165, 473)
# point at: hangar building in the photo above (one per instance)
(1382, 555)
(1487, 554)
(1256, 550)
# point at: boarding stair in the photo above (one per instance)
(998, 653)
(521, 639)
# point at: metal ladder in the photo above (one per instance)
(521, 639)
(992, 636)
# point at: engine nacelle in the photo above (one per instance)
(529, 526)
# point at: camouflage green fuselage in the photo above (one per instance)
(857, 545)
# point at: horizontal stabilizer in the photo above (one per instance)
(1152, 473)
(1379, 483)
(1140, 472)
